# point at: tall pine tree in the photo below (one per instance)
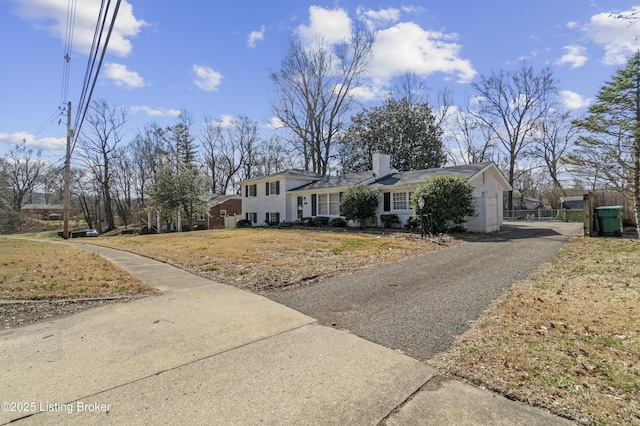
(611, 142)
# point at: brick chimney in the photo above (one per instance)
(381, 164)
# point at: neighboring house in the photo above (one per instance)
(44, 211)
(221, 207)
(572, 203)
(526, 203)
(294, 194)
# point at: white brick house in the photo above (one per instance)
(294, 194)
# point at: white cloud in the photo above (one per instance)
(122, 77)
(576, 56)
(365, 94)
(45, 144)
(378, 18)
(615, 35)
(51, 16)
(225, 120)
(206, 78)
(572, 24)
(572, 101)
(408, 47)
(331, 25)
(154, 112)
(274, 124)
(255, 37)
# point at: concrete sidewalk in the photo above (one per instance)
(207, 353)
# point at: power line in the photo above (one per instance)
(52, 118)
(87, 92)
(66, 69)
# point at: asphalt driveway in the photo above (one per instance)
(419, 306)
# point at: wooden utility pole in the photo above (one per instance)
(67, 176)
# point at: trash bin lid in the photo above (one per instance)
(609, 208)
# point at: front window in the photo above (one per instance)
(334, 204)
(400, 201)
(323, 205)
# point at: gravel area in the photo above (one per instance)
(418, 306)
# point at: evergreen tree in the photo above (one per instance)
(611, 142)
(406, 131)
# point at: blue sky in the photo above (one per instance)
(213, 58)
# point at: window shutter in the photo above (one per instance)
(278, 217)
(277, 187)
(246, 191)
(387, 202)
(266, 218)
(314, 204)
(246, 216)
(266, 188)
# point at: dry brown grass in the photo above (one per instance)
(38, 270)
(268, 259)
(567, 338)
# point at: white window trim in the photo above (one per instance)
(406, 201)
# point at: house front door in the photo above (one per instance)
(300, 208)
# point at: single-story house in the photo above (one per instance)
(295, 194)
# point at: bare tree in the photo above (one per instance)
(231, 152)
(315, 89)
(413, 89)
(25, 170)
(123, 185)
(468, 141)
(52, 184)
(147, 151)
(210, 138)
(553, 138)
(510, 106)
(98, 147)
(272, 157)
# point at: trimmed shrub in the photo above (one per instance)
(412, 223)
(320, 221)
(360, 203)
(243, 223)
(338, 222)
(388, 220)
(447, 199)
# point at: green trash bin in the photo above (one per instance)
(610, 220)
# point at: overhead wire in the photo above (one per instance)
(86, 97)
(52, 118)
(68, 44)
